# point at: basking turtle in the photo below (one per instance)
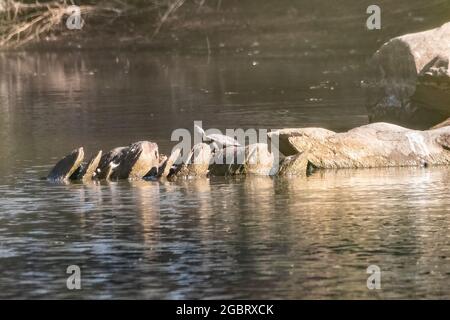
(217, 141)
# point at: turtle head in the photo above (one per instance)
(199, 130)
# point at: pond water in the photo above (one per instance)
(219, 238)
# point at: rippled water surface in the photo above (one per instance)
(220, 238)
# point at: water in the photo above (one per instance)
(219, 238)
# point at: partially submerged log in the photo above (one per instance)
(374, 145)
(283, 135)
(413, 79)
(369, 146)
(67, 166)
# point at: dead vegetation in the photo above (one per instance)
(24, 21)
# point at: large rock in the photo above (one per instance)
(376, 145)
(413, 80)
(283, 136)
(132, 162)
(67, 166)
(445, 123)
(433, 86)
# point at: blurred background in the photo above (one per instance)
(215, 25)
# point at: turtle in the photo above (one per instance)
(217, 141)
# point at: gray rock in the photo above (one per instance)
(376, 145)
(67, 166)
(413, 79)
(286, 147)
(444, 141)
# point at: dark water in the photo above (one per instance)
(220, 238)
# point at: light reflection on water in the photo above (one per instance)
(220, 238)
(235, 238)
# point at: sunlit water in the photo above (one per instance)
(219, 238)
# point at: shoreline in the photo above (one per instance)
(237, 27)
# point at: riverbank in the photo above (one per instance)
(274, 28)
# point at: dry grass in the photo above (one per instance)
(24, 22)
(21, 23)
